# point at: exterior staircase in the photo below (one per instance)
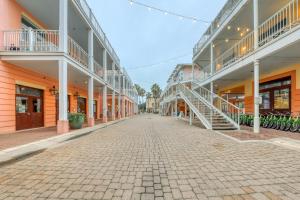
(210, 115)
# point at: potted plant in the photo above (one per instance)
(76, 120)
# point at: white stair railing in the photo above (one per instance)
(228, 110)
(202, 111)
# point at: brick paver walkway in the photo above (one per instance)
(152, 157)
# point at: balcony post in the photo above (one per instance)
(63, 26)
(256, 128)
(113, 101)
(119, 97)
(104, 98)
(31, 38)
(212, 70)
(123, 99)
(91, 120)
(91, 49)
(191, 117)
(63, 123)
(176, 108)
(255, 23)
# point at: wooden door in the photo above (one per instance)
(95, 109)
(81, 105)
(29, 108)
(23, 118)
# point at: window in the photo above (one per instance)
(282, 99)
(22, 104)
(36, 105)
(28, 91)
(180, 76)
(26, 23)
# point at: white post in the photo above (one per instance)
(31, 39)
(91, 120)
(113, 101)
(212, 70)
(256, 128)
(176, 108)
(63, 26)
(119, 97)
(104, 97)
(255, 22)
(191, 117)
(91, 50)
(63, 124)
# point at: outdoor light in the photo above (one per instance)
(238, 28)
(227, 40)
(53, 91)
(228, 27)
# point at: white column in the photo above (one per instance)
(104, 97)
(185, 110)
(91, 120)
(63, 124)
(255, 22)
(63, 25)
(212, 70)
(119, 97)
(256, 128)
(113, 101)
(91, 50)
(191, 117)
(91, 101)
(176, 108)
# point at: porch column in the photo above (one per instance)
(185, 110)
(119, 97)
(176, 107)
(212, 70)
(113, 100)
(63, 123)
(104, 97)
(63, 26)
(123, 101)
(256, 128)
(91, 120)
(255, 23)
(191, 117)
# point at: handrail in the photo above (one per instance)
(77, 52)
(94, 22)
(230, 110)
(278, 24)
(214, 26)
(197, 105)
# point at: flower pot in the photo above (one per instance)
(76, 120)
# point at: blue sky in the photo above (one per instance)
(142, 37)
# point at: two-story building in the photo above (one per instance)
(250, 55)
(56, 59)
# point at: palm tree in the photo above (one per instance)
(156, 92)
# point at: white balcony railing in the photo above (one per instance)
(90, 15)
(27, 40)
(238, 51)
(98, 69)
(215, 25)
(77, 52)
(284, 20)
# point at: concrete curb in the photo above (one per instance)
(12, 154)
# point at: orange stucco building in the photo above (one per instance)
(52, 64)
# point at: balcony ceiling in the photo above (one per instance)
(47, 11)
(287, 57)
(243, 20)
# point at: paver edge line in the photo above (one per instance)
(39, 146)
